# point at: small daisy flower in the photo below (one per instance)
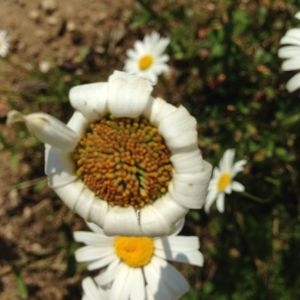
(291, 53)
(4, 45)
(136, 268)
(126, 161)
(147, 58)
(91, 291)
(222, 181)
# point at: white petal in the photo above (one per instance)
(90, 99)
(58, 167)
(164, 280)
(91, 253)
(47, 129)
(290, 40)
(159, 110)
(180, 249)
(179, 129)
(121, 221)
(78, 123)
(227, 160)
(103, 262)
(187, 162)
(297, 15)
(120, 288)
(138, 291)
(153, 223)
(95, 228)
(238, 187)
(289, 51)
(93, 239)
(293, 34)
(98, 211)
(291, 64)
(91, 291)
(70, 193)
(106, 276)
(190, 190)
(129, 95)
(221, 202)
(211, 197)
(153, 275)
(294, 83)
(238, 167)
(169, 209)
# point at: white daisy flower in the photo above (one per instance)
(222, 181)
(125, 161)
(4, 44)
(147, 58)
(291, 53)
(91, 291)
(136, 268)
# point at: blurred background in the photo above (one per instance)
(224, 69)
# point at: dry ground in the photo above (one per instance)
(34, 226)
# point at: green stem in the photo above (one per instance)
(254, 198)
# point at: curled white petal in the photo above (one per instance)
(121, 221)
(179, 129)
(98, 211)
(47, 129)
(129, 95)
(169, 209)
(159, 110)
(58, 167)
(153, 223)
(187, 162)
(78, 123)
(90, 99)
(190, 190)
(70, 193)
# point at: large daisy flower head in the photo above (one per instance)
(147, 58)
(136, 268)
(290, 52)
(222, 181)
(4, 44)
(125, 161)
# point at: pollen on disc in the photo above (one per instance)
(124, 161)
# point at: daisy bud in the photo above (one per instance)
(47, 129)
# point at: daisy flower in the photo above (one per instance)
(91, 291)
(126, 161)
(136, 268)
(222, 181)
(146, 58)
(291, 53)
(4, 45)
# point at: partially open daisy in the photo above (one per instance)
(4, 45)
(91, 291)
(291, 53)
(125, 161)
(134, 267)
(147, 58)
(222, 181)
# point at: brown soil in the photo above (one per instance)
(35, 227)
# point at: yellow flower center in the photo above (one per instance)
(134, 251)
(224, 181)
(145, 62)
(124, 161)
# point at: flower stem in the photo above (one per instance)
(254, 198)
